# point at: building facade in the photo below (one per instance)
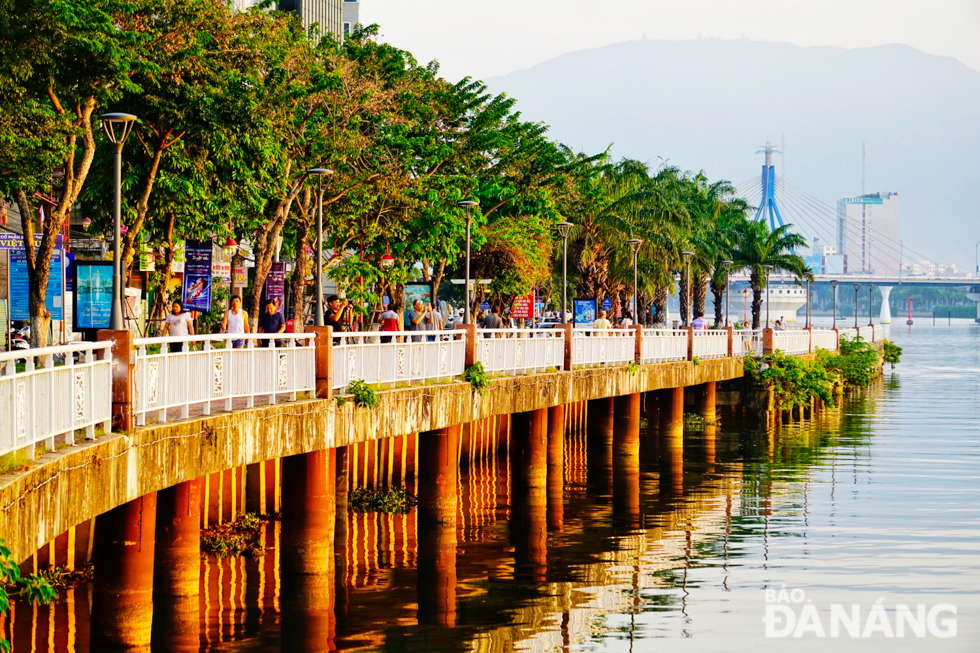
(868, 233)
(328, 13)
(352, 15)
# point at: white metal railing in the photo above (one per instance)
(747, 341)
(709, 344)
(663, 345)
(850, 333)
(520, 351)
(796, 341)
(603, 346)
(393, 357)
(824, 339)
(209, 369)
(39, 404)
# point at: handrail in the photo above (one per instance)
(41, 352)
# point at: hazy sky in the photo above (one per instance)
(484, 38)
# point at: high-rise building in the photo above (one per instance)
(328, 13)
(868, 233)
(352, 15)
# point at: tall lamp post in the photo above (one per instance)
(687, 308)
(468, 205)
(871, 305)
(857, 287)
(564, 228)
(117, 127)
(634, 244)
(808, 300)
(767, 268)
(834, 284)
(727, 266)
(320, 174)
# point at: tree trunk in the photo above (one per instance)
(159, 311)
(298, 280)
(682, 297)
(660, 306)
(699, 290)
(718, 290)
(756, 282)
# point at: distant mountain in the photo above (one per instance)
(710, 104)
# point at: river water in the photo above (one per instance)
(764, 535)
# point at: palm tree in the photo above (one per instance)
(756, 246)
(731, 218)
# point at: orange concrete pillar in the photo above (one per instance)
(767, 341)
(529, 482)
(556, 468)
(626, 462)
(436, 566)
(599, 444)
(323, 360)
(341, 489)
(177, 559)
(672, 441)
(710, 434)
(122, 378)
(707, 402)
(123, 584)
(306, 557)
(567, 328)
(470, 356)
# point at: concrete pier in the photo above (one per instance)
(529, 483)
(626, 462)
(436, 565)
(177, 567)
(556, 468)
(123, 584)
(599, 438)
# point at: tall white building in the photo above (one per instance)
(330, 14)
(352, 15)
(868, 233)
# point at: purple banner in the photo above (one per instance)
(275, 284)
(197, 276)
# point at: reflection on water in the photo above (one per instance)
(618, 531)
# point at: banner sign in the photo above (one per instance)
(865, 200)
(16, 241)
(19, 287)
(275, 284)
(523, 307)
(584, 311)
(93, 294)
(607, 303)
(148, 261)
(197, 276)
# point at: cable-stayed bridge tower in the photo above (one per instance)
(767, 205)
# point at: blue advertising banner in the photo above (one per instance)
(607, 303)
(584, 311)
(197, 276)
(93, 294)
(19, 287)
(69, 272)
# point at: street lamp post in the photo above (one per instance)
(319, 173)
(468, 205)
(808, 300)
(871, 305)
(634, 244)
(117, 127)
(727, 265)
(564, 228)
(834, 284)
(857, 287)
(767, 268)
(687, 302)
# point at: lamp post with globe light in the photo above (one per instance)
(687, 302)
(468, 205)
(564, 228)
(634, 244)
(117, 127)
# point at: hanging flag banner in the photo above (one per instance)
(523, 307)
(275, 284)
(197, 275)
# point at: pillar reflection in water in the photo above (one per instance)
(436, 566)
(599, 438)
(306, 556)
(556, 468)
(529, 494)
(341, 488)
(671, 441)
(177, 568)
(626, 461)
(123, 584)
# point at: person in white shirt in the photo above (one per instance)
(627, 321)
(236, 321)
(178, 323)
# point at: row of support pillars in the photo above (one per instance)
(147, 551)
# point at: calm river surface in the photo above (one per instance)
(877, 504)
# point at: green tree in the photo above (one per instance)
(756, 246)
